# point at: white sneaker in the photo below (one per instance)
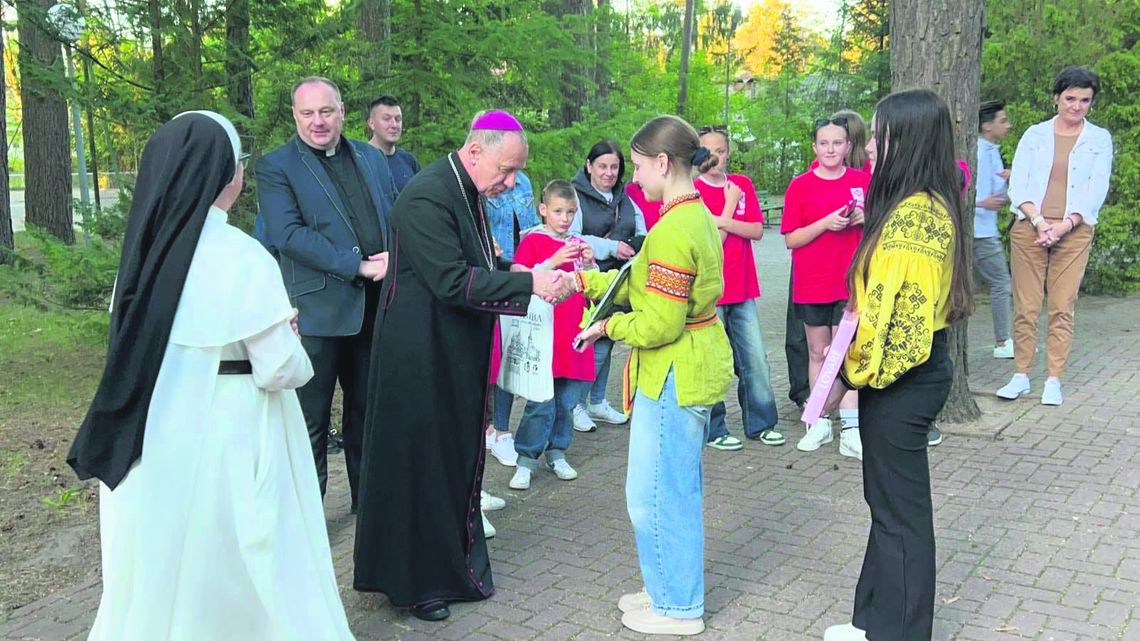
(605, 413)
(817, 435)
(1005, 350)
(845, 632)
(635, 601)
(563, 470)
(521, 479)
(502, 446)
(582, 422)
(647, 621)
(488, 529)
(490, 503)
(850, 444)
(1051, 395)
(1016, 387)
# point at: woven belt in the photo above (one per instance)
(234, 367)
(697, 323)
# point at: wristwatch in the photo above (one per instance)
(1036, 220)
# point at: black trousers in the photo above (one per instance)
(343, 359)
(894, 600)
(796, 350)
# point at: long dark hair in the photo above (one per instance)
(601, 148)
(914, 144)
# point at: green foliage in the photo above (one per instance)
(47, 274)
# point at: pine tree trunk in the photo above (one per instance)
(47, 150)
(6, 236)
(937, 44)
(686, 47)
(375, 24)
(239, 67)
(158, 62)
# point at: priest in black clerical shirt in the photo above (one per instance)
(324, 201)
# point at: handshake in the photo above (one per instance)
(554, 286)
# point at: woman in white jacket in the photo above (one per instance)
(1057, 185)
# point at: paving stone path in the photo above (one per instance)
(1037, 526)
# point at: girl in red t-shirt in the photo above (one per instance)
(546, 427)
(822, 225)
(735, 207)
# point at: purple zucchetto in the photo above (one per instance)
(497, 120)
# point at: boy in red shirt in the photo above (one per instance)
(822, 225)
(547, 427)
(736, 209)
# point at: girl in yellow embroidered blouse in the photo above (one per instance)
(910, 279)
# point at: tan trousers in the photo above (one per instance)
(1036, 270)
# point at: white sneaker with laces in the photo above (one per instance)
(605, 413)
(563, 470)
(521, 479)
(845, 632)
(817, 435)
(582, 421)
(850, 443)
(1051, 394)
(502, 447)
(488, 529)
(490, 503)
(1005, 350)
(1016, 387)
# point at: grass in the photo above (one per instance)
(37, 350)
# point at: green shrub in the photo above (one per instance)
(47, 273)
(1114, 265)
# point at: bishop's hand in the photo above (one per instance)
(549, 285)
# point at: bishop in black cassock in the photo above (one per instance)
(419, 531)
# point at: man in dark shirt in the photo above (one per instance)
(386, 122)
(325, 201)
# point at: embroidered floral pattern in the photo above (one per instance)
(904, 340)
(671, 282)
(919, 227)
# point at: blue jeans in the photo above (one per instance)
(501, 412)
(753, 375)
(663, 492)
(547, 426)
(602, 349)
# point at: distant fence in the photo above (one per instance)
(106, 181)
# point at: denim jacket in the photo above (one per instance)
(1090, 165)
(515, 204)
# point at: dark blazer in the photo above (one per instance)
(303, 220)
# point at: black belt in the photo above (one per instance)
(235, 367)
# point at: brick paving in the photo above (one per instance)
(1037, 526)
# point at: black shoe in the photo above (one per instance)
(431, 611)
(336, 441)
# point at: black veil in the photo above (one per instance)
(185, 166)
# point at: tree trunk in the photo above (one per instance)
(239, 65)
(686, 47)
(161, 109)
(6, 236)
(47, 151)
(937, 44)
(375, 24)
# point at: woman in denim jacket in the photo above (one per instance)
(1057, 184)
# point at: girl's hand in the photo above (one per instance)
(589, 336)
(856, 217)
(836, 220)
(732, 196)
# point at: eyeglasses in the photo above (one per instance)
(243, 159)
(823, 122)
(708, 129)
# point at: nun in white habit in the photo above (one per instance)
(211, 520)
